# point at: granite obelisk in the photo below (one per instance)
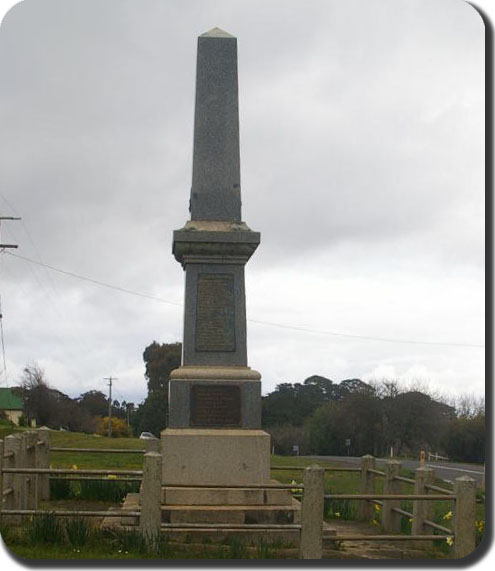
(214, 434)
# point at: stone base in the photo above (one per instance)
(225, 457)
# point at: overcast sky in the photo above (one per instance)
(362, 165)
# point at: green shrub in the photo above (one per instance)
(103, 490)
(61, 489)
(237, 549)
(45, 528)
(340, 509)
(78, 531)
(133, 541)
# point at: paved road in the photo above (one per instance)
(448, 471)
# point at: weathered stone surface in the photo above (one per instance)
(216, 184)
(197, 308)
(215, 456)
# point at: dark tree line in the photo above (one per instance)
(319, 415)
(356, 418)
(50, 407)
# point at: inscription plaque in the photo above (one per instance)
(215, 326)
(215, 405)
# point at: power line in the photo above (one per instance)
(258, 321)
(96, 282)
(366, 337)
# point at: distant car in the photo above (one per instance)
(147, 436)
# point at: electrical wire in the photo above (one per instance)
(258, 321)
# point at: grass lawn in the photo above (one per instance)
(88, 460)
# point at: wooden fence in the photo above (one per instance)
(25, 480)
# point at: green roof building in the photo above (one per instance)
(11, 405)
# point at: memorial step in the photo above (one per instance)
(234, 514)
(188, 495)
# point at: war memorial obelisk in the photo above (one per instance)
(214, 434)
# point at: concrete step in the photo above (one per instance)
(281, 537)
(238, 514)
(225, 496)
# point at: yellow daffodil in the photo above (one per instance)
(74, 467)
(448, 515)
(337, 514)
(112, 477)
(374, 522)
(296, 490)
(377, 508)
(450, 541)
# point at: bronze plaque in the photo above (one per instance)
(215, 326)
(215, 405)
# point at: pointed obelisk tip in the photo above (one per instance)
(216, 33)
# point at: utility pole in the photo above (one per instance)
(110, 379)
(2, 246)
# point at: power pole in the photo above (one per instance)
(110, 379)
(3, 246)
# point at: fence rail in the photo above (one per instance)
(100, 450)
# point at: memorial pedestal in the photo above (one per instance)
(215, 456)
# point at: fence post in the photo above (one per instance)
(390, 519)
(1, 479)
(32, 479)
(311, 545)
(43, 461)
(23, 478)
(153, 445)
(422, 509)
(151, 514)
(12, 449)
(366, 486)
(464, 516)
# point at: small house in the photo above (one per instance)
(11, 405)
